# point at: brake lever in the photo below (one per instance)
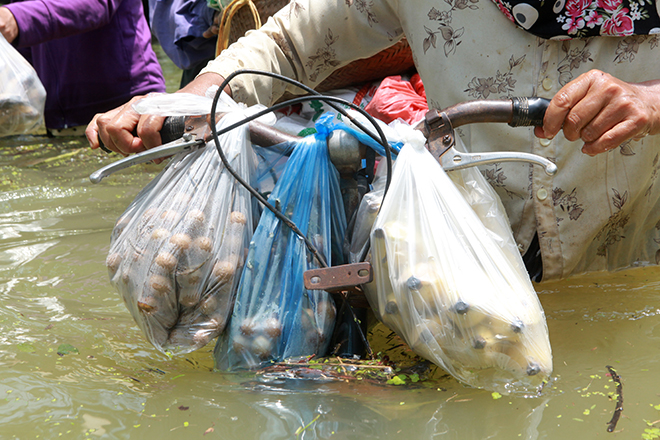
(452, 159)
(438, 127)
(186, 143)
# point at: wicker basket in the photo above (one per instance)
(239, 17)
(395, 60)
(392, 61)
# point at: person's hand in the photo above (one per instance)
(602, 111)
(8, 25)
(214, 29)
(124, 131)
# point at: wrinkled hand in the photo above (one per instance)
(8, 25)
(603, 111)
(118, 128)
(124, 131)
(215, 27)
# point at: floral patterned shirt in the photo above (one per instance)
(564, 19)
(596, 213)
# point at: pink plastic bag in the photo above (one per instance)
(398, 98)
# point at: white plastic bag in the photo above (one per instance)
(22, 96)
(449, 279)
(177, 251)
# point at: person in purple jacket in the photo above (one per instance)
(187, 31)
(91, 55)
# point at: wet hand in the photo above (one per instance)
(124, 131)
(603, 111)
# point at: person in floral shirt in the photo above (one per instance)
(597, 61)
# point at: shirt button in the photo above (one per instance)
(545, 142)
(542, 194)
(547, 84)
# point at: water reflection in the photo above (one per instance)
(347, 410)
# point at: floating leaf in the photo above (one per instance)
(651, 433)
(496, 395)
(26, 347)
(397, 380)
(66, 349)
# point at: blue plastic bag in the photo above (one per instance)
(274, 316)
(329, 124)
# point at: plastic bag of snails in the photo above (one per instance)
(177, 250)
(22, 95)
(274, 316)
(449, 279)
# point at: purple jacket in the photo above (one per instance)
(91, 55)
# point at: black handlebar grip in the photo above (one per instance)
(173, 128)
(528, 112)
(102, 145)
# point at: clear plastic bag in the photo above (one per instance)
(449, 279)
(22, 96)
(274, 316)
(360, 240)
(177, 251)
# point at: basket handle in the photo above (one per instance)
(225, 22)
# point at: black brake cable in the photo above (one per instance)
(330, 100)
(315, 96)
(287, 103)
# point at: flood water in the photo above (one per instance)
(73, 364)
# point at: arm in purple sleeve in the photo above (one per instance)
(40, 21)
